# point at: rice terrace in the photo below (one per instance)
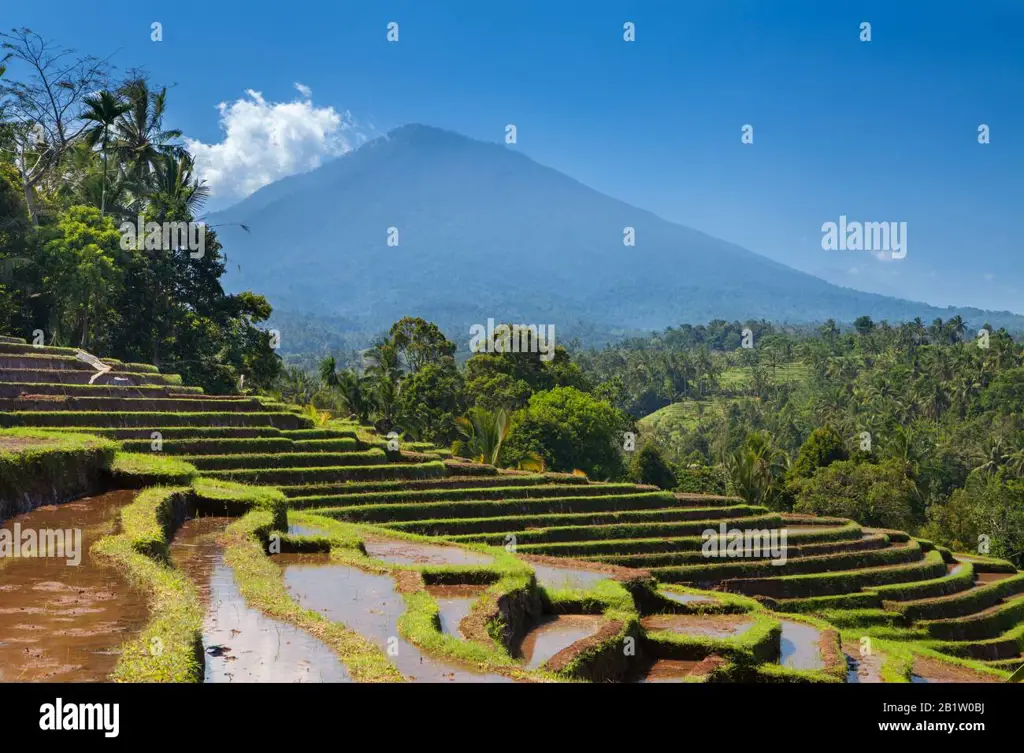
(543, 347)
(377, 565)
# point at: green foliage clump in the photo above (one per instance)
(702, 479)
(647, 466)
(823, 447)
(507, 380)
(72, 263)
(435, 390)
(871, 494)
(991, 507)
(570, 430)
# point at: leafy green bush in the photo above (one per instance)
(874, 495)
(648, 467)
(571, 430)
(702, 479)
(823, 447)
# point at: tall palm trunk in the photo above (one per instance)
(103, 189)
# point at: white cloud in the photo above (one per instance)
(264, 141)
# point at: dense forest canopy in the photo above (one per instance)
(85, 157)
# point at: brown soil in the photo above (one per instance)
(408, 581)
(463, 591)
(15, 444)
(62, 622)
(616, 572)
(401, 552)
(474, 626)
(713, 625)
(669, 670)
(934, 670)
(829, 647)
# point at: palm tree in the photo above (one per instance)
(756, 469)
(991, 457)
(829, 330)
(1015, 462)
(141, 138)
(957, 327)
(354, 391)
(328, 374)
(174, 183)
(103, 109)
(296, 386)
(384, 360)
(389, 411)
(484, 431)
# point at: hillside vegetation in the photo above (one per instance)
(637, 556)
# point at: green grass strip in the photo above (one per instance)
(169, 648)
(136, 470)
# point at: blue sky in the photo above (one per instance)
(879, 131)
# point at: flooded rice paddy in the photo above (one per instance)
(64, 616)
(242, 644)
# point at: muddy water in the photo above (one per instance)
(670, 670)
(799, 646)
(991, 577)
(369, 605)
(555, 578)
(454, 604)
(687, 598)
(862, 668)
(399, 552)
(708, 626)
(554, 634)
(61, 622)
(242, 644)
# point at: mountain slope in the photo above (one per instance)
(484, 232)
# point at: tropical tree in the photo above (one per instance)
(757, 470)
(142, 141)
(43, 107)
(485, 432)
(103, 110)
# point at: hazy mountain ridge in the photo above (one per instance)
(484, 231)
